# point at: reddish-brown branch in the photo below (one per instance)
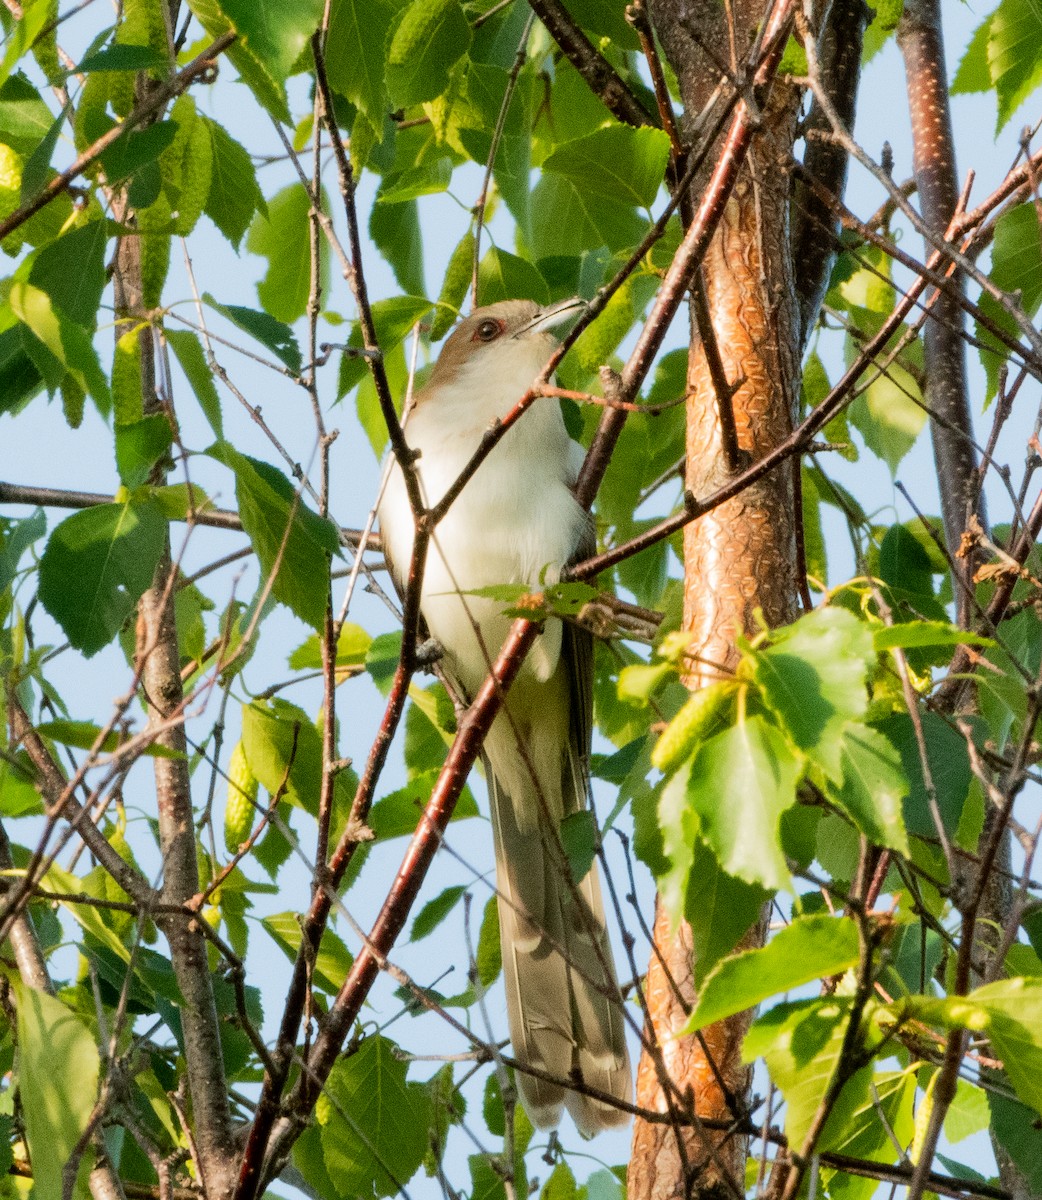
(920, 38)
(601, 77)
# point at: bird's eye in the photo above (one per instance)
(488, 331)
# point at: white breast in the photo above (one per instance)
(516, 521)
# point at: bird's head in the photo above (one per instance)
(501, 344)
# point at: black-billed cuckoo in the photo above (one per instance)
(517, 521)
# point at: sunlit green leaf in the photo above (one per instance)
(97, 564)
(807, 949)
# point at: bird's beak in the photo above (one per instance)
(554, 315)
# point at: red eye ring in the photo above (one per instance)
(488, 330)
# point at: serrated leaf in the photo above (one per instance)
(719, 908)
(801, 1043)
(431, 36)
(283, 749)
(282, 236)
(813, 678)
(454, 287)
(234, 195)
(294, 544)
(189, 353)
(96, 565)
(873, 786)
(57, 1083)
(332, 962)
(619, 163)
(807, 949)
(504, 276)
(949, 769)
(64, 342)
(381, 1146)
(351, 649)
(140, 445)
(753, 764)
(355, 53)
(435, 911)
(392, 320)
(274, 334)
(84, 735)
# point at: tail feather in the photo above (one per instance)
(563, 1001)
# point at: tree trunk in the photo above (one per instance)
(739, 559)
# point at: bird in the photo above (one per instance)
(517, 521)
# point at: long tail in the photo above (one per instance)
(563, 999)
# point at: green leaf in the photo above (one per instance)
(351, 649)
(35, 15)
(282, 236)
(140, 445)
(618, 164)
(1014, 54)
(489, 953)
(25, 120)
(752, 762)
(719, 908)
(276, 335)
(454, 287)
(381, 660)
(355, 47)
(189, 353)
(121, 58)
(968, 1112)
(890, 415)
(872, 787)
(916, 634)
(1016, 1129)
(275, 33)
(57, 1083)
(396, 814)
(949, 768)
(131, 151)
(1014, 1008)
(71, 270)
(293, 543)
(96, 565)
(395, 230)
(234, 194)
(1016, 265)
(973, 73)
(63, 341)
(392, 319)
(870, 1131)
(330, 965)
(435, 911)
(430, 38)
(504, 276)
(271, 36)
(809, 948)
(84, 735)
(567, 218)
(283, 748)
(801, 1043)
(378, 1144)
(813, 678)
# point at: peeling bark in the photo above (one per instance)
(738, 559)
